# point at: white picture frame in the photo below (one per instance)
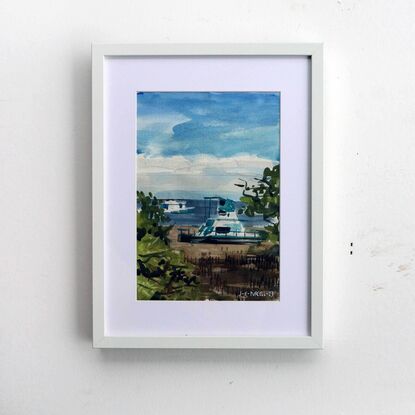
(313, 341)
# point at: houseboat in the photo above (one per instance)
(222, 227)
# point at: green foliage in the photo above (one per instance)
(162, 273)
(263, 197)
(151, 217)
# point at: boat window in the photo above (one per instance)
(222, 229)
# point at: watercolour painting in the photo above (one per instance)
(208, 196)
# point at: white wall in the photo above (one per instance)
(47, 365)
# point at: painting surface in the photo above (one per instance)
(208, 196)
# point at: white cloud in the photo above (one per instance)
(246, 132)
(214, 123)
(164, 123)
(162, 126)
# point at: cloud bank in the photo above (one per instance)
(195, 177)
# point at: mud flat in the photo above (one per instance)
(231, 271)
(198, 250)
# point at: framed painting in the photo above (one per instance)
(207, 196)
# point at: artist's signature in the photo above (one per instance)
(256, 293)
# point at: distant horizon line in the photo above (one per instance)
(193, 194)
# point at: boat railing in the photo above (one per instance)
(241, 234)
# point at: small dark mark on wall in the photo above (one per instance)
(351, 245)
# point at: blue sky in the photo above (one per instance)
(219, 124)
(188, 141)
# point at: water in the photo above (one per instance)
(200, 213)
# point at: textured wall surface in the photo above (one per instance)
(47, 365)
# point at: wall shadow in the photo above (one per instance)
(211, 356)
(82, 170)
